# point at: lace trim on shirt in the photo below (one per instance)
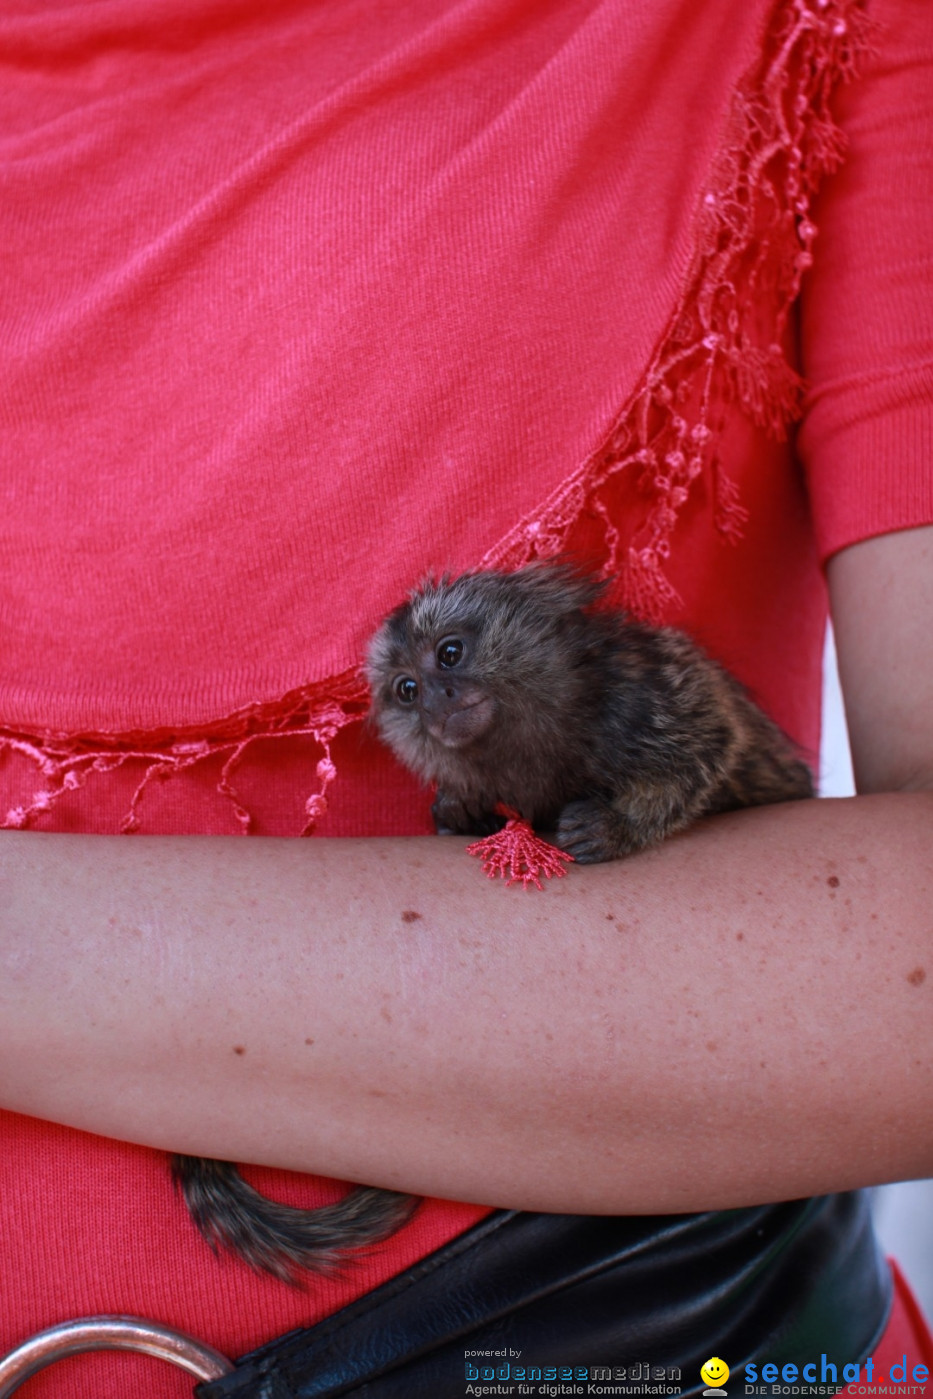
(66, 762)
(724, 341)
(723, 345)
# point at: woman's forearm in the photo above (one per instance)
(743, 1014)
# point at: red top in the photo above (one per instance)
(302, 302)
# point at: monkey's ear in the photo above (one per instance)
(561, 585)
(387, 645)
(429, 584)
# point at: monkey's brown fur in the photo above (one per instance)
(282, 1239)
(510, 688)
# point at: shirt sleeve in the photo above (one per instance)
(866, 440)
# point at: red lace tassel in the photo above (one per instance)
(517, 852)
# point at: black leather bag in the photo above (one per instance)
(785, 1283)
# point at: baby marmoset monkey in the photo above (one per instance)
(509, 688)
(614, 735)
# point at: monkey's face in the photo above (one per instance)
(481, 671)
(452, 704)
(428, 687)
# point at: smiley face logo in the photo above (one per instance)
(715, 1372)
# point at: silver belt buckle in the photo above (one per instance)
(110, 1333)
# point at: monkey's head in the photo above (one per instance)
(479, 665)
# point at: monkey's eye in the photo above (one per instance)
(406, 690)
(449, 652)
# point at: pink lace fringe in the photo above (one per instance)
(724, 341)
(67, 762)
(723, 344)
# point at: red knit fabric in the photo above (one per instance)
(907, 1340)
(303, 302)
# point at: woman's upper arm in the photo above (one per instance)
(882, 605)
(865, 316)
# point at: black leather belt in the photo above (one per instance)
(787, 1283)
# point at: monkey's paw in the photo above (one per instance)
(592, 831)
(452, 817)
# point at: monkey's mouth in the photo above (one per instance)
(462, 726)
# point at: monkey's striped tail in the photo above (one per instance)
(281, 1239)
